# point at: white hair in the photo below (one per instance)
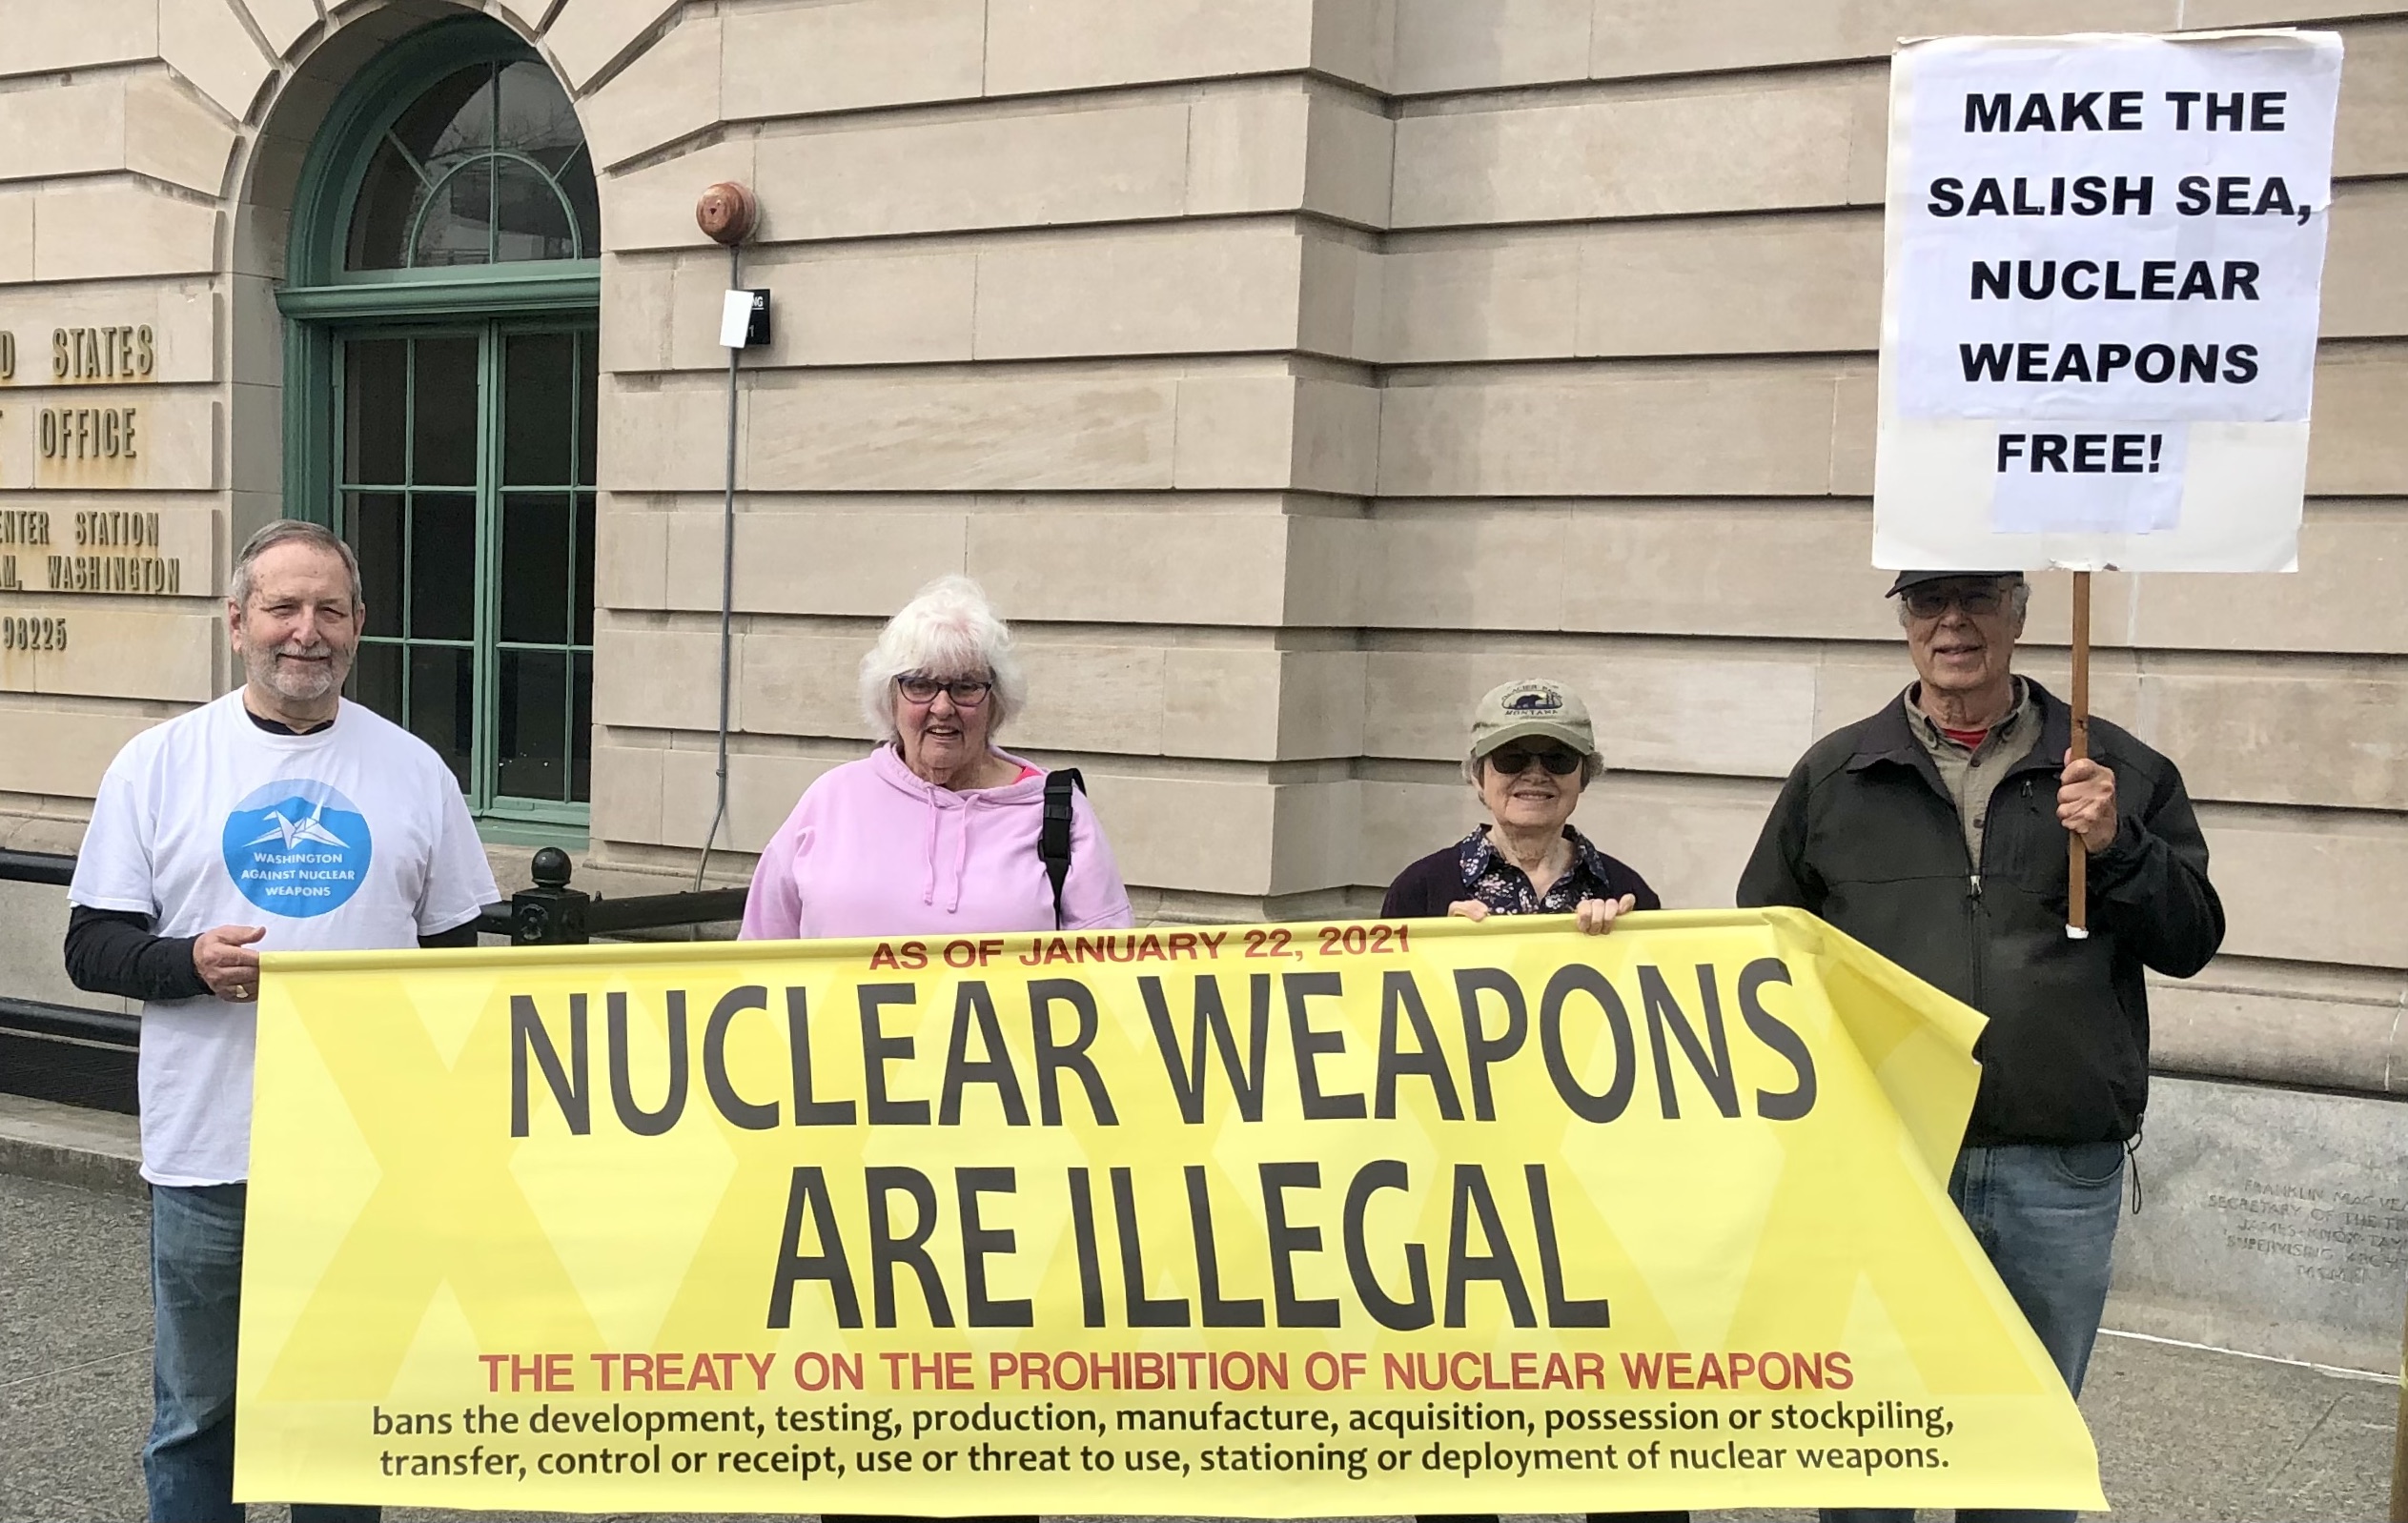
(289, 531)
(947, 629)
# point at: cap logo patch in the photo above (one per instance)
(1535, 699)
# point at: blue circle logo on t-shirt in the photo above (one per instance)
(297, 849)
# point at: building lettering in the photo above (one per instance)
(23, 526)
(153, 575)
(118, 352)
(117, 529)
(88, 434)
(34, 634)
(8, 575)
(8, 355)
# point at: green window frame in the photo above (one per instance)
(328, 307)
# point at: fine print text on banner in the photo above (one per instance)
(1279, 1220)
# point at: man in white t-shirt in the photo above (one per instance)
(277, 817)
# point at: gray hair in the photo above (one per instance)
(1592, 768)
(947, 629)
(2018, 599)
(289, 531)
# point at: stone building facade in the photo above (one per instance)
(1289, 371)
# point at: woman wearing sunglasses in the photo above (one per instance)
(1532, 754)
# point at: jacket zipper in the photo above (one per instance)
(1973, 930)
(1973, 894)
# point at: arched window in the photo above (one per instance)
(486, 167)
(440, 382)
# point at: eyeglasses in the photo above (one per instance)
(1515, 759)
(1931, 602)
(967, 693)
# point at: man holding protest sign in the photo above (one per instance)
(2099, 347)
(1932, 832)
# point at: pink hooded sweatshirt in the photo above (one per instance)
(874, 850)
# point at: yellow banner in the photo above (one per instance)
(1281, 1221)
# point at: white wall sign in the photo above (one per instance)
(2099, 316)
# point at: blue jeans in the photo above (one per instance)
(2046, 1218)
(187, 1462)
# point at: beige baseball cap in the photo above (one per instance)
(1533, 707)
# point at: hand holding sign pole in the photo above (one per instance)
(2099, 317)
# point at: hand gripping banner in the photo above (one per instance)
(1282, 1221)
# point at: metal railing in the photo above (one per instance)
(80, 1056)
(36, 868)
(553, 914)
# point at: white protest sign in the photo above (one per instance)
(2099, 316)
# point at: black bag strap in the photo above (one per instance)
(1054, 840)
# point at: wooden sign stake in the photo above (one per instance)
(2077, 859)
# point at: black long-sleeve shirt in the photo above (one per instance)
(112, 951)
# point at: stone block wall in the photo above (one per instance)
(1290, 370)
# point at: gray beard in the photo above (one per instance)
(262, 668)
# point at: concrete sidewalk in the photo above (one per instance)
(2183, 1433)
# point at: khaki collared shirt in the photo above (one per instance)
(1973, 774)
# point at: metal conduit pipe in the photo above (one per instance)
(728, 212)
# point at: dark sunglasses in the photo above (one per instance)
(1931, 602)
(1515, 759)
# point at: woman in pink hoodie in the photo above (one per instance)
(936, 832)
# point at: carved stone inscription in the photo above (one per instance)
(108, 351)
(116, 649)
(142, 438)
(88, 434)
(103, 550)
(2344, 1236)
(118, 351)
(2273, 1222)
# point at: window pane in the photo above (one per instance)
(580, 732)
(371, 522)
(538, 123)
(531, 219)
(539, 371)
(444, 432)
(577, 183)
(442, 705)
(380, 236)
(450, 124)
(457, 227)
(533, 725)
(451, 121)
(587, 399)
(581, 596)
(442, 567)
(536, 119)
(374, 416)
(534, 568)
(375, 679)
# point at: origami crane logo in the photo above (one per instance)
(297, 847)
(292, 832)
